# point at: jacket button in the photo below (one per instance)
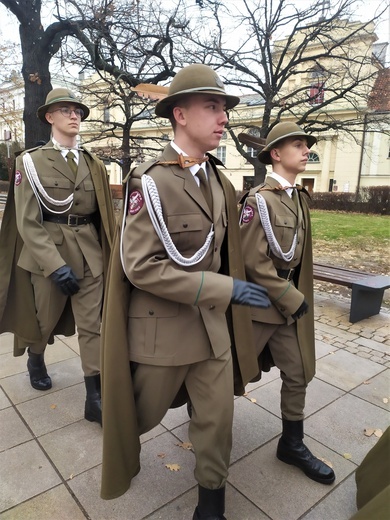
(212, 307)
(185, 225)
(282, 309)
(151, 313)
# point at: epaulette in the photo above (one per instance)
(138, 171)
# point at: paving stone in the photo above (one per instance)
(24, 472)
(372, 345)
(4, 401)
(376, 390)
(55, 504)
(12, 429)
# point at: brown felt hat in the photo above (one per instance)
(194, 79)
(60, 95)
(279, 132)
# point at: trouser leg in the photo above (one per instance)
(86, 307)
(286, 354)
(49, 304)
(210, 388)
(155, 388)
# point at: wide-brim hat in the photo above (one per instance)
(194, 79)
(61, 95)
(279, 132)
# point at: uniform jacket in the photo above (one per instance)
(140, 311)
(261, 264)
(29, 244)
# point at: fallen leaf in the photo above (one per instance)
(347, 456)
(53, 406)
(253, 400)
(185, 445)
(368, 432)
(366, 382)
(161, 455)
(173, 467)
(71, 476)
(378, 433)
(385, 400)
(245, 394)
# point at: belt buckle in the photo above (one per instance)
(73, 220)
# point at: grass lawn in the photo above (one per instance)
(353, 228)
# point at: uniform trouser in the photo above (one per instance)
(210, 387)
(283, 343)
(86, 308)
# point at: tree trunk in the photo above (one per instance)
(37, 83)
(260, 172)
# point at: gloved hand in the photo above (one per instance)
(248, 293)
(66, 280)
(302, 309)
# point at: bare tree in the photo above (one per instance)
(127, 43)
(295, 60)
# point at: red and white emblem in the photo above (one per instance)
(247, 214)
(18, 177)
(136, 201)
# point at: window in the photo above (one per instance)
(106, 115)
(313, 158)
(251, 151)
(221, 153)
(316, 92)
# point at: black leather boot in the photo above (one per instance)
(93, 407)
(292, 451)
(211, 504)
(36, 367)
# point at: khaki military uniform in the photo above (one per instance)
(177, 328)
(42, 246)
(290, 343)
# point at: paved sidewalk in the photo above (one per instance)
(50, 457)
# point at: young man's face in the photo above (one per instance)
(200, 122)
(291, 154)
(66, 125)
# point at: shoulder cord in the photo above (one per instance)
(153, 205)
(273, 243)
(39, 190)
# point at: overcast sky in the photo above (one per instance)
(365, 9)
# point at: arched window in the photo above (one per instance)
(313, 157)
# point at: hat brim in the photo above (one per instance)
(264, 155)
(163, 107)
(44, 108)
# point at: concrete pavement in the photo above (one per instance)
(50, 457)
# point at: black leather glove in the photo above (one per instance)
(248, 293)
(65, 280)
(302, 309)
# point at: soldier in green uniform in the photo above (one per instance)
(181, 253)
(277, 247)
(64, 227)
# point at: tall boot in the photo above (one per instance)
(36, 367)
(211, 504)
(292, 451)
(93, 407)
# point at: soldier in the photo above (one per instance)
(277, 248)
(181, 253)
(65, 222)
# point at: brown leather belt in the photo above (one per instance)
(70, 220)
(287, 274)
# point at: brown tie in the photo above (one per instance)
(72, 163)
(205, 187)
(294, 197)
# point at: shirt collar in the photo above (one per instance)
(193, 169)
(283, 182)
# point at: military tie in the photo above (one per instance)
(70, 156)
(294, 197)
(205, 187)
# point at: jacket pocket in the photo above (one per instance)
(187, 231)
(284, 229)
(58, 188)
